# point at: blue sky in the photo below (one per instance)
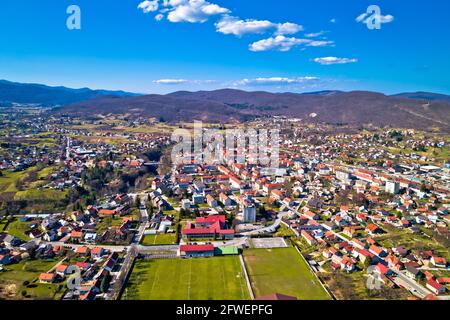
(283, 45)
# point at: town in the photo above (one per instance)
(95, 209)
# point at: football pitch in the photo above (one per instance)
(218, 278)
(282, 271)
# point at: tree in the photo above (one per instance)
(262, 211)
(105, 283)
(137, 202)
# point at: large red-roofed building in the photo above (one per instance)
(211, 227)
(195, 251)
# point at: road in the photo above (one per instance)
(144, 219)
(410, 285)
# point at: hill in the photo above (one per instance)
(30, 93)
(356, 107)
(428, 96)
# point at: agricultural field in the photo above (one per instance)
(187, 279)
(20, 281)
(282, 271)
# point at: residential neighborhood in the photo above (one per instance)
(343, 208)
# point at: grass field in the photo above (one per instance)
(282, 271)
(187, 279)
(46, 194)
(18, 228)
(158, 239)
(9, 179)
(12, 280)
(108, 222)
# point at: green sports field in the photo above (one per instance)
(219, 278)
(282, 271)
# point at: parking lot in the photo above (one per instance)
(268, 243)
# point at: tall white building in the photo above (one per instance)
(249, 213)
(392, 187)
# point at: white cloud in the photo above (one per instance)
(239, 27)
(288, 28)
(199, 11)
(334, 60)
(193, 11)
(320, 43)
(183, 10)
(364, 18)
(149, 6)
(274, 81)
(170, 81)
(278, 43)
(232, 25)
(159, 17)
(282, 43)
(315, 34)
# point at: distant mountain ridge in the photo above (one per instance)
(31, 93)
(428, 96)
(419, 110)
(225, 105)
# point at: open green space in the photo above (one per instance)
(439, 154)
(107, 222)
(159, 239)
(9, 179)
(18, 228)
(45, 194)
(187, 279)
(20, 281)
(400, 237)
(282, 271)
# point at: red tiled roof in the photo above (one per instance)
(199, 231)
(196, 248)
(444, 280)
(105, 212)
(382, 268)
(47, 276)
(61, 268)
(434, 284)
